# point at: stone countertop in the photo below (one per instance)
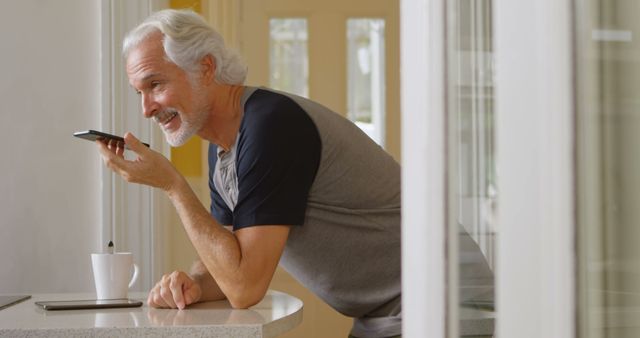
(277, 313)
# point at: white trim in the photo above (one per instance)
(536, 255)
(132, 215)
(106, 232)
(423, 163)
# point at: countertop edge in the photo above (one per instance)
(282, 325)
(190, 331)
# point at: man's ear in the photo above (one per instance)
(208, 68)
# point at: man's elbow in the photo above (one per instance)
(244, 302)
(243, 298)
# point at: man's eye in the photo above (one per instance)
(155, 84)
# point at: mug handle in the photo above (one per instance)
(135, 275)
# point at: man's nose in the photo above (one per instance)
(149, 106)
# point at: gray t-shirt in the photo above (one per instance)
(297, 163)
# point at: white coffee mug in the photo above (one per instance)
(112, 274)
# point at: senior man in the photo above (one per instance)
(298, 184)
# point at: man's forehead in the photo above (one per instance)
(145, 70)
(135, 81)
(149, 50)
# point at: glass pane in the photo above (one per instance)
(289, 60)
(365, 82)
(471, 186)
(608, 167)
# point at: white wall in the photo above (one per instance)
(49, 181)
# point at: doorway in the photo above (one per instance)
(342, 54)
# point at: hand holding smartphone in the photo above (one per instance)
(93, 135)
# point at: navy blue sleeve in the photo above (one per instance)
(277, 160)
(219, 208)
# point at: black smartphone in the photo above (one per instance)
(93, 135)
(88, 304)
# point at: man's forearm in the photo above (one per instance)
(217, 248)
(208, 285)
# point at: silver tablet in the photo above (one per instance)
(6, 301)
(88, 304)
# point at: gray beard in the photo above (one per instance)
(187, 129)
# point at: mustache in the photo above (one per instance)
(164, 115)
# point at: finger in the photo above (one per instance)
(155, 300)
(115, 146)
(165, 292)
(112, 160)
(112, 144)
(103, 147)
(120, 149)
(192, 293)
(176, 285)
(158, 300)
(104, 143)
(151, 299)
(167, 296)
(134, 144)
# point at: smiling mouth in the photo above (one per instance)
(165, 117)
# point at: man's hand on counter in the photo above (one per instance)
(174, 290)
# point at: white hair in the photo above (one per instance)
(187, 38)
